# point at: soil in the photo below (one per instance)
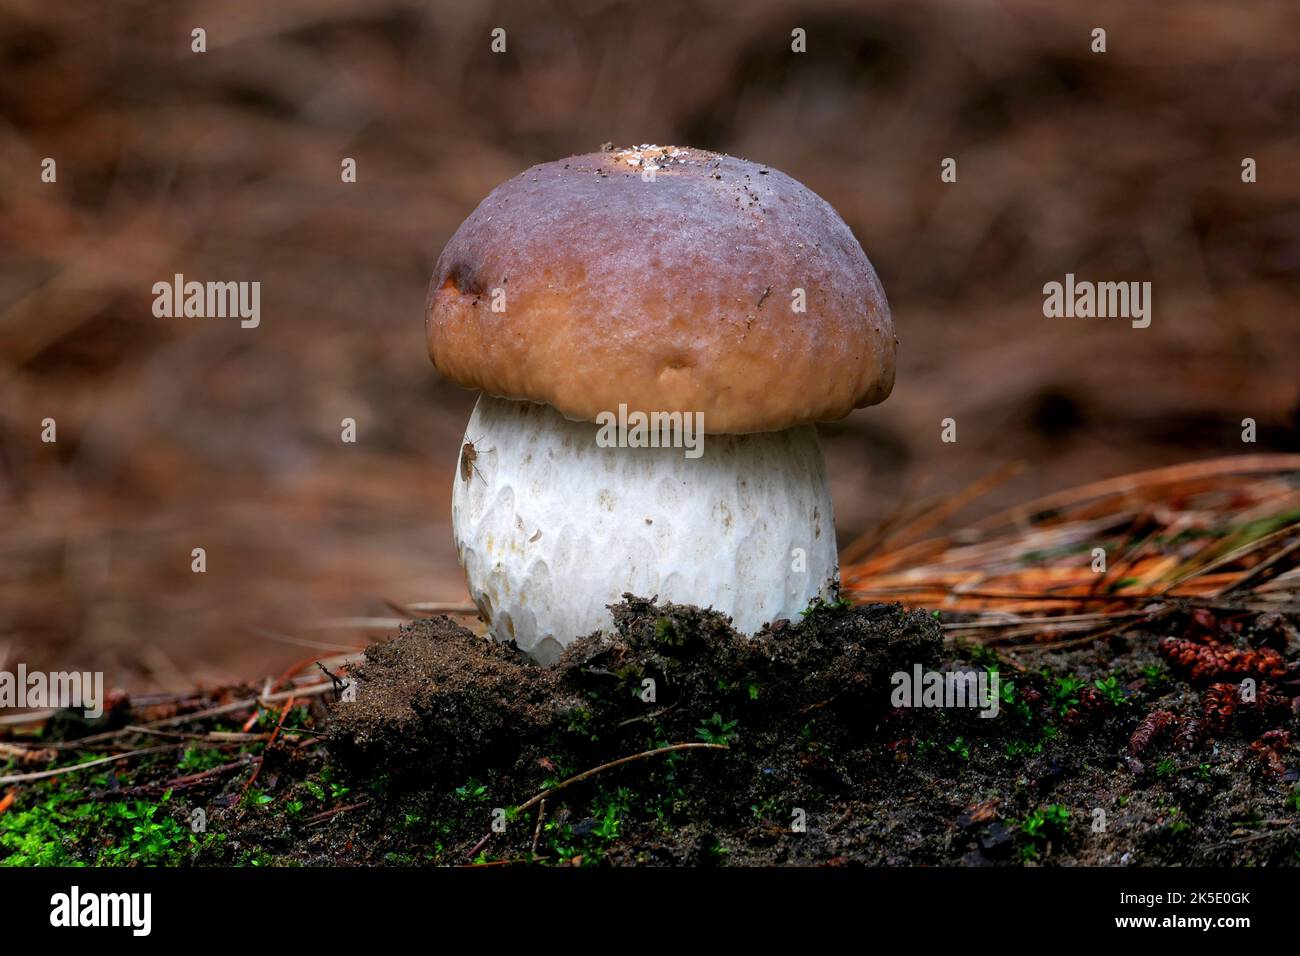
(1107, 754)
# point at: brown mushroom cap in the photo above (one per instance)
(671, 295)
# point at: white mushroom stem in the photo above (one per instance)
(552, 528)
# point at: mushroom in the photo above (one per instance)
(663, 284)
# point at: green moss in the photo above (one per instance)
(63, 826)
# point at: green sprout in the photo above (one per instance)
(715, 730)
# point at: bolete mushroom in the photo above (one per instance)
(674, 286)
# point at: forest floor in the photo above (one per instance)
(1143, 710)
(790, 751)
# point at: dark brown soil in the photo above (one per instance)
(439, 702)
(439, 705)
(1103, 754)
(814, 731)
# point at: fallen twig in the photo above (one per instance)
(578, 778)
(586, 774)
(309, 690)
(537, 830)
(320, 817)
(421, 608)
(31, 717)
(193, 779)
(60, 771)
(284, 712)
(27, 754)
(212, 737)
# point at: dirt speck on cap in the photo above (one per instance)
(650, 156)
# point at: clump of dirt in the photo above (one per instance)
(791, 705)
(439, 700)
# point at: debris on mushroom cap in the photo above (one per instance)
(652, 157)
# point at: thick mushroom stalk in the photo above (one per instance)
(551, 528)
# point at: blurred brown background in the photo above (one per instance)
(183, 433)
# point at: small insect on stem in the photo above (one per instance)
(469, 455)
